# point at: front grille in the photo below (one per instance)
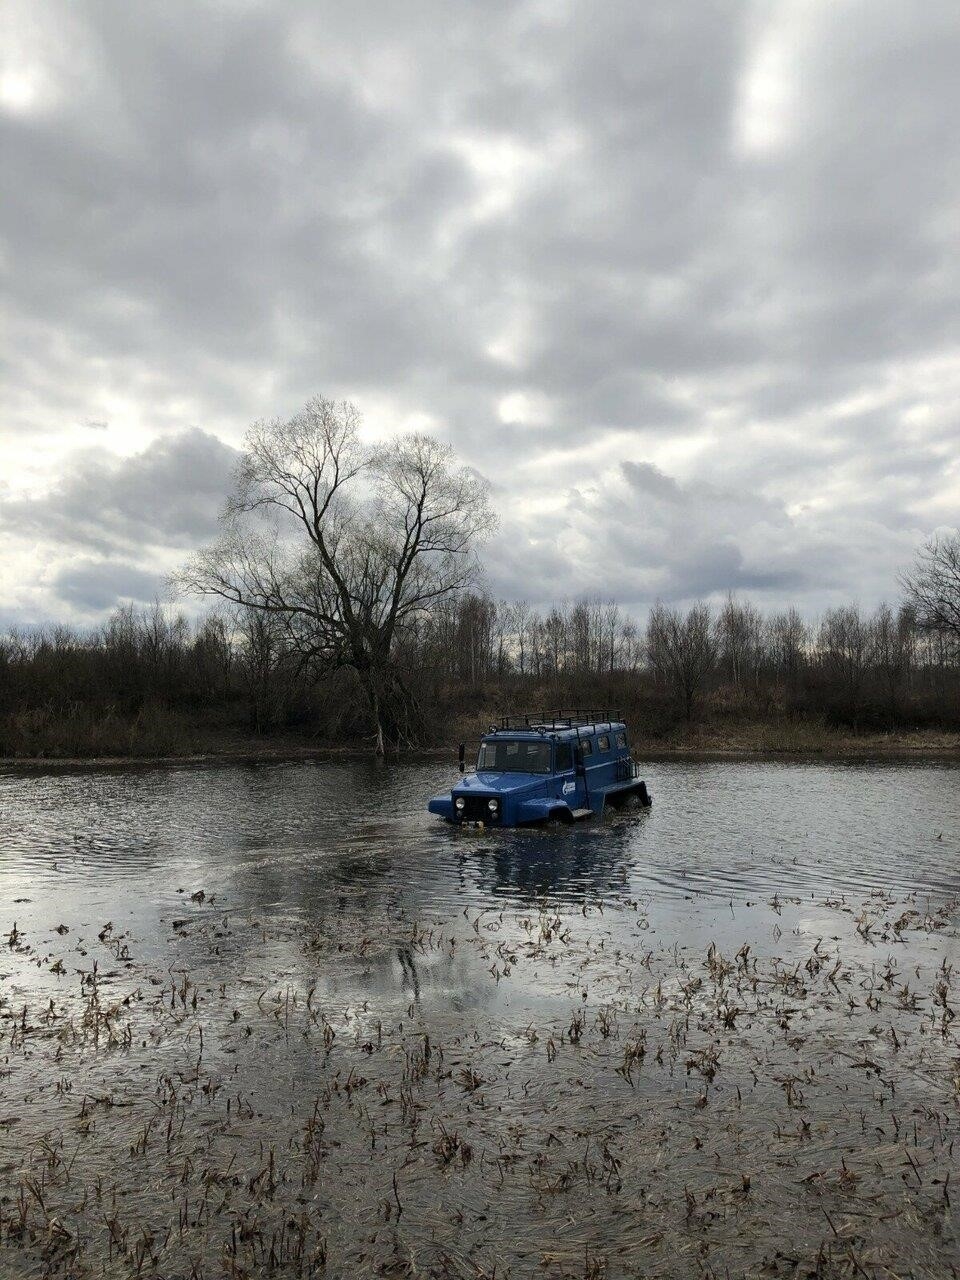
(475, 810)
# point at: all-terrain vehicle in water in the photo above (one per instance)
(547, 766)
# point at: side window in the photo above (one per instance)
(622, 740)
(586, 748)
(564, 757)
(603, 742)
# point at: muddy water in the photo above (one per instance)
(276, 1019)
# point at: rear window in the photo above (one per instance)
(564, 757)
(622, 740)
(603, 742)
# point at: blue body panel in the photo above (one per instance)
(564, 791)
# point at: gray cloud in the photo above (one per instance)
(168, 495)
(94, 586)
(648, 536)
(691, 268)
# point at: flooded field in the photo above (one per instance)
(275, 1020)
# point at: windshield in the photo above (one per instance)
(517, 756)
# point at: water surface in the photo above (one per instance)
(718, 828)
(573, 1045)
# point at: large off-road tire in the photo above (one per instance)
(636, 798)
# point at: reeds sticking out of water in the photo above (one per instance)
(784, 1105)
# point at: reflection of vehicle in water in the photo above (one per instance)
(551, 765)
(570, 865)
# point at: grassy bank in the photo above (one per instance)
(735, 737)
(798, 740)
(161, 734)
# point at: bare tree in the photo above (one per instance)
(632, 646)
(520, 619)
(682, 650)
(611, 631)
(932, 586)
(893, 653)
(476, 626)
(502, 626)
(555, 644)
(740, 641)
(344, 544)
(212, 658)
(579, 633)
(845, 650)
(787, 643)
(537, 632)
(260, 663)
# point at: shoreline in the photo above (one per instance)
(923, 746)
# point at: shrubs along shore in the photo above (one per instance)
(149, 684)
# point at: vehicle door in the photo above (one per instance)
(588, 780)
(605, 772)
(569, 785)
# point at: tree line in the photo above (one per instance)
(149, 681)
(878, 670)
(346, 607)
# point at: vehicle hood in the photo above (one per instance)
(498, 783)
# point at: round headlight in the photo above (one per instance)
(493, 805)
(460, 802)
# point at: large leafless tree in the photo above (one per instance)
(932, 586)
(344, 544)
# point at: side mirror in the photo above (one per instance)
(461, 753)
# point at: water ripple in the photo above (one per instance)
(294, 833)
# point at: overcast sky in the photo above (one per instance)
(680, 278)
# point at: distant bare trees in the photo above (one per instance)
(739, 636)
(475, 638)
(845, 652)
(520, 623)
(682, 650)
(848, 662)
(894, 653)
(787, 646)
(284, 658)
(344, 545)
(261, 661)
(147, 680)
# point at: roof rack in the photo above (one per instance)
(558, 718)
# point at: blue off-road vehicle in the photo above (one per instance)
(546, 766)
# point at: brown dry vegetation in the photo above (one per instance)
(777, 1110)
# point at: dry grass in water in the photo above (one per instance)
(781, 1106)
